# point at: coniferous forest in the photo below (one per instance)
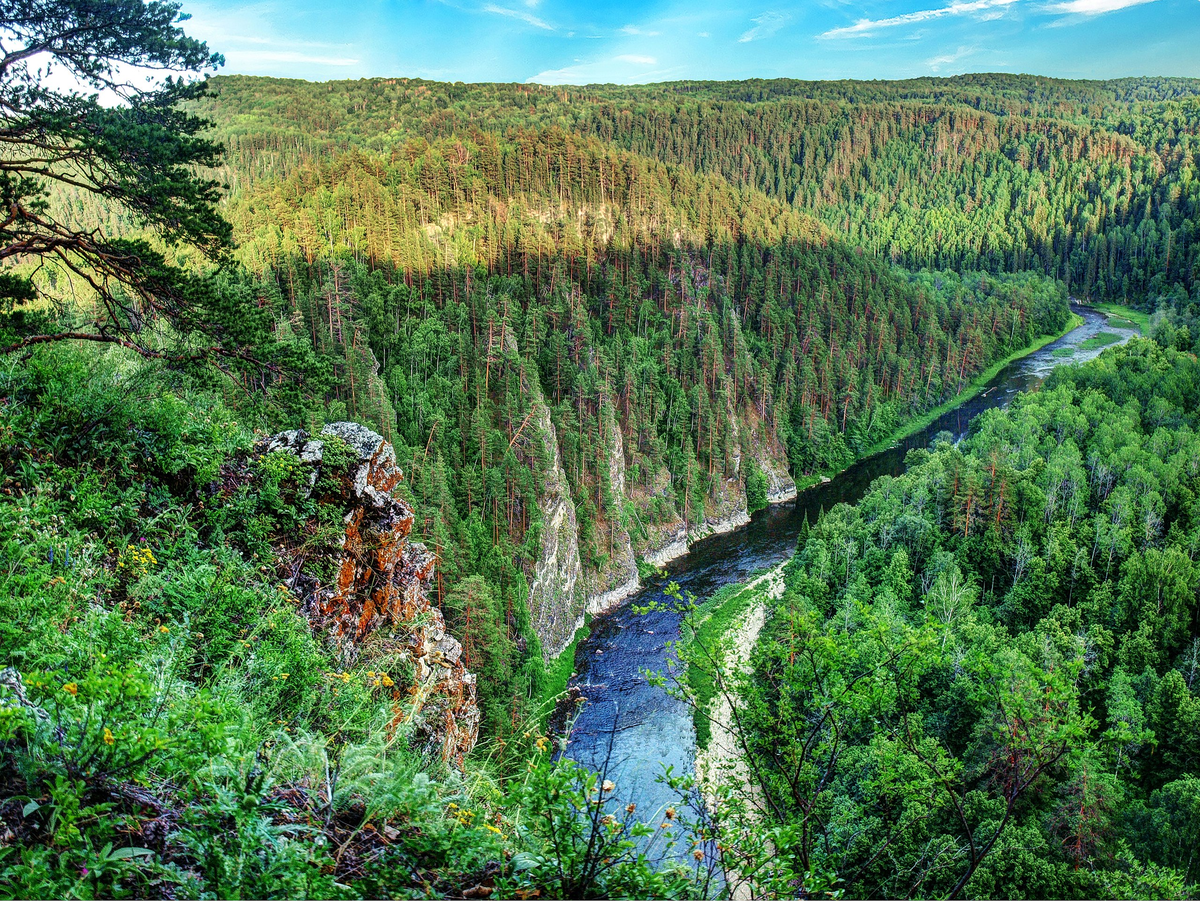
(332, 413)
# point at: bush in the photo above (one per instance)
(578, 841)
(756, 487)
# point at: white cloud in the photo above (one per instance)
(983, 8)
(937, 63)
(251, 39)
(527, 18)
(638, 32)
(764, 26)
(1094, 7)
(628, 68)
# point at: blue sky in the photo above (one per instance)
(567, 41)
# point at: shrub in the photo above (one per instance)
(756, 487)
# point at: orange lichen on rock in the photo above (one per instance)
(381, 582)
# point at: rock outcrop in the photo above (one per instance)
(378, 593)
(556, 601)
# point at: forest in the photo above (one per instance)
(1092, 183)
(479, 301)
(979, 680)
(331, 412)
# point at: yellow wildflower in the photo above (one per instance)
(108, 736)
(71, 688)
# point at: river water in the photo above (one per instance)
(634, 730)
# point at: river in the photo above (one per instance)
(636, 727)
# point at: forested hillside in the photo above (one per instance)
(980, 680)
(331, 412)
(589, 357)
(1093, 183)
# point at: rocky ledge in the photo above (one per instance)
(379, 591)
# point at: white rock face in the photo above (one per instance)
(555, 601)
(674, 547)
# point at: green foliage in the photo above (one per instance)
(1090, 182)
(173, 726)
(142, 157)
(979, 681)
(582, 844)
(1104, 339)
(487, 648)
(756, 488)
(148, 660)
(244, 850)
(994, 653)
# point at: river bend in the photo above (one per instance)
(637, 726)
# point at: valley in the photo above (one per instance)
(744, 488)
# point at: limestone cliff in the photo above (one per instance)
(639, 517)
(556, 599)
(377, 597)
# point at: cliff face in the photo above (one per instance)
(647, 519)
(652, 524)
(377, 598)
(725, 506)
(556, 599)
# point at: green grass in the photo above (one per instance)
(1124, 317)
(714, 620)
(1063, 352)
(1104, 339)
